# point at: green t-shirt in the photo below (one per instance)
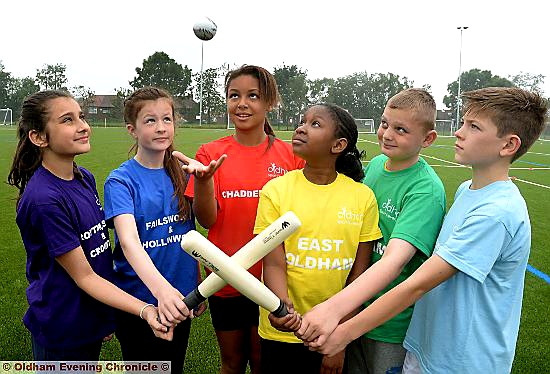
(411, 206)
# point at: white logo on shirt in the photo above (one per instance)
(320, 254)
(379, 248)
(275, 171)
(98, 203)
(349, 217)
(232, 194)
(389, 210)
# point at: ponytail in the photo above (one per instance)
(349, 161)
(28, 156)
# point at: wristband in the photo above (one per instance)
(142, 309)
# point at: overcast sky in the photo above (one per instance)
(102, 42)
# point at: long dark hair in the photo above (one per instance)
(132, 105)
(269, 91)
(349, 161)
(34, 117)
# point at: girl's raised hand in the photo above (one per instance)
(198, 169)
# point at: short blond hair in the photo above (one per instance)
(419, 101)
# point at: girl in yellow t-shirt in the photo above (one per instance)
(332, 247)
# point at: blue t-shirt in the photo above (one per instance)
(148, 194)
(54, 217)
(470, 322)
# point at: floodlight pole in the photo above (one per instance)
(458, 101)
(200, 101)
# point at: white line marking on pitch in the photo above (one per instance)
(532, 183)
(538, 153)
(442, 160)
(457, 165)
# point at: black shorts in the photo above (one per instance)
(139, 343)
(276, 357)
(233, 313)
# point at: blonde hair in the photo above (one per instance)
(418, 100)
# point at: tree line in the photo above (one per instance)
(363, 94)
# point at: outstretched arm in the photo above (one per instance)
(204, 201)
(318, 323)
(77, 266)
(432, 273)
(335, 364)
(172, 309)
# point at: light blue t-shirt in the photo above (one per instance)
(147, 194)
(469, 323)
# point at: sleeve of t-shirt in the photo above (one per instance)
(58, 230)
(118, 199)
(474, 247)
(369, 229)
(268, 210)
(190, 188)
(203, 157)
(419, 222)
(366, 168)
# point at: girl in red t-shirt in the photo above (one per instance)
(225, 200)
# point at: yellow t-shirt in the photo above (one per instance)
(335, 219)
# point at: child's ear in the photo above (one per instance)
(339, 145)
(513, 142)
(38, 139)
(131, 130)
(429, 138)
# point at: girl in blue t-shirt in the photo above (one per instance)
(144, 202)
(62, 224)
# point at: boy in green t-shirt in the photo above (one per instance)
(411, 201)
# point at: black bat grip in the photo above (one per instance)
(193, 299)
(281, 311)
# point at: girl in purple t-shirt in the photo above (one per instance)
(62, 224)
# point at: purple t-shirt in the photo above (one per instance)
(54, 217)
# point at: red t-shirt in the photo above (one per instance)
(237, 185)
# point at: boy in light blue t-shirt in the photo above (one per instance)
(470, 290)
(411, 202)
